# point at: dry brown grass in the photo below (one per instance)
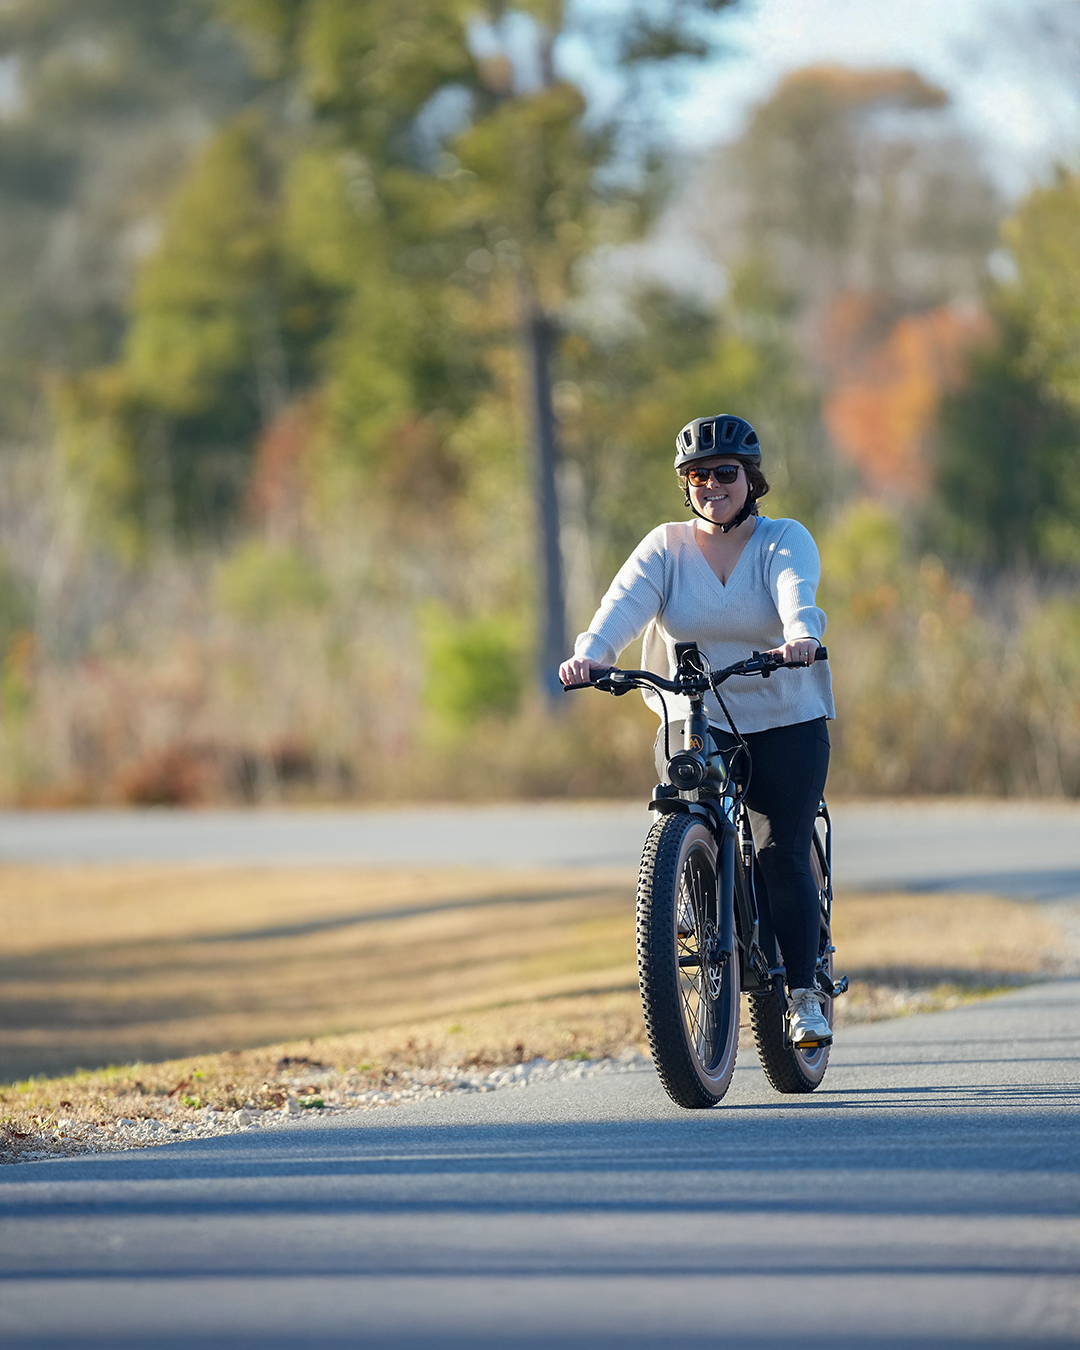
(365, 972)
(897, 937)
(113, 964)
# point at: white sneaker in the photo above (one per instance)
(806, 1020)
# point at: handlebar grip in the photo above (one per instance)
(822, 654)
(597, 674)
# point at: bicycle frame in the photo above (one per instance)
(719, 807)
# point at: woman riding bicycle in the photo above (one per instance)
(734, 581)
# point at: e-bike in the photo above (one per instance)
(702, 937)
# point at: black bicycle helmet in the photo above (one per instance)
(706, 437)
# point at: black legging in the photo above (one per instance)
(790, 765)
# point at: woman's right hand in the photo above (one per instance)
(577, 670)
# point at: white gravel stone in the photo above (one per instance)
(407, 1086)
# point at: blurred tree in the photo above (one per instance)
(222, 328)
(1008, 475)
(1044, 240)
(101, 104)
(422, 185)
(882, 409)
(853, 216)
(520, 165)
(854, 180)
(1008, 483)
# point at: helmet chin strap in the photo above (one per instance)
(745, 512)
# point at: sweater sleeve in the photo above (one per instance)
(633, 599)
(792, 573)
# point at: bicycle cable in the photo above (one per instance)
(741, 747)
(667, 726)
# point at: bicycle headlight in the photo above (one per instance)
(686, 770)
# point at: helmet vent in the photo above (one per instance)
(706, 434)
(688, 438)
(751, 439)
(727, 433)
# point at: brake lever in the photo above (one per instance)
(615, 683)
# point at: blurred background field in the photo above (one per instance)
(291, 287)
(112, 964)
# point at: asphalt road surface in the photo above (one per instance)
(926, 1196)
(1026, 850)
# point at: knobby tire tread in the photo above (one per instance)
(781, 1063)
(658, 881)
(778, 1060)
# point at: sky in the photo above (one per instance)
(1004, 90)
(1014, 98)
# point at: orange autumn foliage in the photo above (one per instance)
(887, 387)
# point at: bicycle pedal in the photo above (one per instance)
(834, 988)
(819, 1044)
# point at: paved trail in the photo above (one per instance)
(926, 1196)
(1027, 850)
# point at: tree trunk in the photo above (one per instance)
(551, 645)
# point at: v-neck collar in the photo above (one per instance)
(724, 585)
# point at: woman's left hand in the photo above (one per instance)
(803, 651)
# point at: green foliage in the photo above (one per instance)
(1042, 237)
(260, 583)
(864, 553)
(534, 166)
(101, 433)
(473, 667)
(108, 93)
(17, 660)
(933, 695)
(16, 605)
(1008, 477)
(1008, 480)
(344, 253)
(903, 643)
(203, 297)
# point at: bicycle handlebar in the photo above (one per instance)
(615, 681)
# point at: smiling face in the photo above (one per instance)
(719, 502)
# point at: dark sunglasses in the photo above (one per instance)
(723, 473)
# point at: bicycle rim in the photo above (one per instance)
(690, 994)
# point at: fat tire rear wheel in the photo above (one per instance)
(788, 1069)
(691, 1008)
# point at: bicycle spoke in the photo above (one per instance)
(687, 993)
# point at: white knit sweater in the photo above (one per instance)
(667, 589)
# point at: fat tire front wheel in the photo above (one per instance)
(689, 991)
